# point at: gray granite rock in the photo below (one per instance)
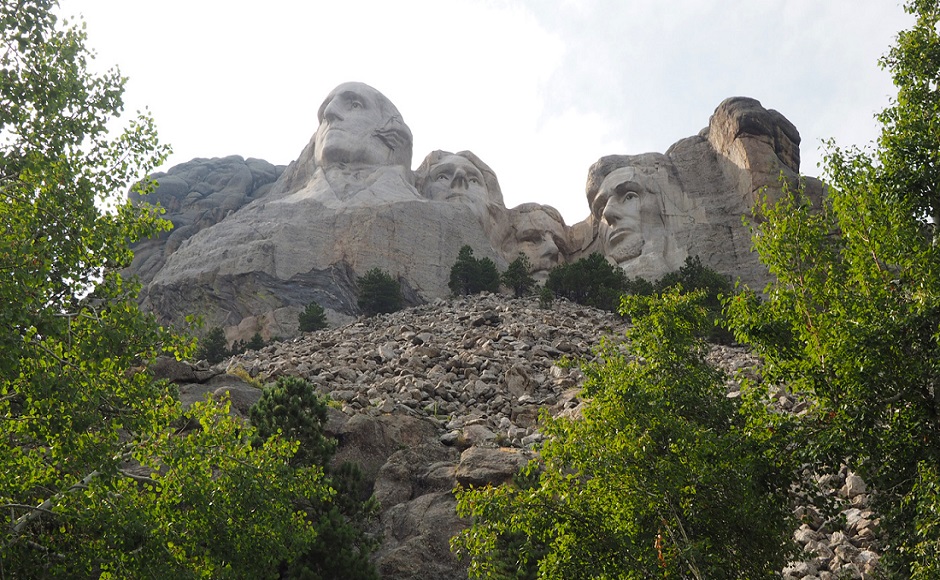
(650, 211)
(253, 244)
(445, 405)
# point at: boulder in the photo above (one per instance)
(480, 466)
(416, 539)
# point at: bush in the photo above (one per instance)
(591, 281)
(213, 346)
(546, 298)
(342, 548)
(379, 293)
(469, 275)
(695, 276)
(291, 406)
(662, 472)
(517, 277)
(312, 318)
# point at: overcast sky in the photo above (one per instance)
(538, 89)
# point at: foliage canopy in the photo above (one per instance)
(379, 293)
(662, 473)
(312, 318)
(471, 275)
(592, 281)
(342, 547)
(853, 318)
(103, 473)
(517, 276)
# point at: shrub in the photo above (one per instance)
(661, 473)
(517, 277)
(546, 298)
(292, 407)
(591, 281)
(379, 293)
(470, 275)
(256, 342)
(312, 318)
(696, 276)
(342, 547)
(213, 346)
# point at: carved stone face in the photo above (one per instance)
(629, 205)
(541, 238)
(349, 119)
(455, 178)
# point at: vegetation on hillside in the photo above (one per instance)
(379, 293)
(312, 318)
(103, 473)
(342, 548)
(853, 320)
(851, 323)
(663, 473)
(471, 275)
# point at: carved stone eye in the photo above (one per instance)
(443, 177)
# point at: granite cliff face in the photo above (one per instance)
(253, 244)
(651, 211)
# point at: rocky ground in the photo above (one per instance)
(450, 392)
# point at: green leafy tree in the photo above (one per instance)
(591, 281)
(470, 275)
(256, 342)
(517, 276)
(909, 146)
(343, 546)
(379, 293)
(213, 347)
(663, 476)
(546, 298)
(694, 275)
(103, 474)
(853, 318)
(312, 318)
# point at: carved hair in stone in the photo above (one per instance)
(359, 156)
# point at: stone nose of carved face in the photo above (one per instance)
(331, 112)
(460, 180)
(614, 211)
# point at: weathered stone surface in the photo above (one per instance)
(253, 244)
(537, 231)
(347, 205)
(197, 195)
(418, 470)
(650, 211)
(416, 540)
(483, 465)
(369, 441)
(417, 386)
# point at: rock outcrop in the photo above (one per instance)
(651, 211)
(449, 393)
(197, 195)
(254, 244)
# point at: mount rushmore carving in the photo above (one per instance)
(253, 243)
